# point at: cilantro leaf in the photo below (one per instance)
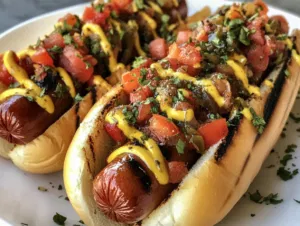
(258, 122)
(59, 219)
(180, 146)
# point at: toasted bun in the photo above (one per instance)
(212, 187)
(46, 153)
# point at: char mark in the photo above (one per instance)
(77, 106)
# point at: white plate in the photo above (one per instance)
(22, 202)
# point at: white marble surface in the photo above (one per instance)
(13, 12)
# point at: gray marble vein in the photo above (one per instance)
(13, 12)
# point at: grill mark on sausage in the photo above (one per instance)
(141, 174)
(92, 146)
(94, 95)
(77, 106)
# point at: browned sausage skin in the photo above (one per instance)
(127, 191)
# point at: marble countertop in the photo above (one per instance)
(13, 12)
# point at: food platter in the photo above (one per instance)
(24, 198)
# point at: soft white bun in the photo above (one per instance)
(46, 153)
(211, 188)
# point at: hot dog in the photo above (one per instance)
(54, 83)
(215, 109)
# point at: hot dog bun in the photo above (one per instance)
(211, 188)
(46, 153)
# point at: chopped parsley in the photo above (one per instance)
(295, 118)
(60, 187)
(287, 73)
(67, 199)
(30, 98)
(68, 40)
(282, 37)
(114, 14)
(40, 188)
(59, 219)
(180, 146)
(56, 49)
(144, 137)
(24, 224)
(81, 222)
(290, 148)
(87, 65)
(143, 79)
(139, 4)
(270, 199)
(60, 90)
(297, 201)
(43, 92)
(130, 115)
(138, 62)
(78, 98)
(258, 122)
(286, 174)
(252, 215)
(285, 159)
(99, 8)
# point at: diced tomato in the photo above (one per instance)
(174, 64)
(183, 37)
(158, 48)
(177, 171)
(5, 77)
(54, 39)
(70, 19)
(147, 63)
(284, 25)
(258, 57)
(120, 4)
(81, 47)
(263, 6)
(258, 37)
(130, 80)
(115, 133)
(141, 94)
(80, 67)
(186, 54)
(91, 15)
(162, 128)
(144, 113)
(41, 56)
(202, 35)
(213, 131)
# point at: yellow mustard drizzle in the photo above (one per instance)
(117, 25)
(246, 112)
(175, 2)
(26, 52)
(89, 28)
(179, 115)
(99, 81)
(289, 43)
(31, 89)
(67, 80)
(155, 7)
(296, 56)
(239, 58)
(136, 38)
(151, 155)
(242, 76)
(206, 84)
(269, 83)
(152, 23)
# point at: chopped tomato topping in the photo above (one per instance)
(183, 37)
(202, 35)
(144, 113)
(183, 106)
(81, 47)
(115, 133)
(5, 77)
(213, 131)
(130, 80)
(177, 171)
(91, 15)
(158, 48)
(141, 94)
(162, 128)
(120, 4)
(70, 19)
(258, 57)
(80, 67)
(264, 8)
(186, 54)
(41, 56)
(54, 39)
(258, 37)
(234, 13)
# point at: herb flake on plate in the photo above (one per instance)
(59, 219)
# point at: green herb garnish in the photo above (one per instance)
(99, 8)
(258, 122)
(138, 62)
(40, 188)
(270, 199)
(180, 146)
(285, 159)
(59, 219)
(60, 90)
(68, 40)
(139, 4)
(297, 201)
(286, 174)
(56, 49)
(78, 98)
